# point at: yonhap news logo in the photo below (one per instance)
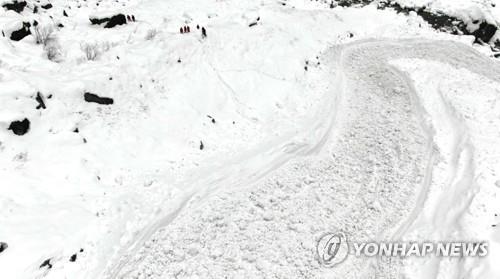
(334, 248)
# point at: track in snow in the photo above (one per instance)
(363, 167)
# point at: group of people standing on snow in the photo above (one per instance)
(187, 29)
(130, 18)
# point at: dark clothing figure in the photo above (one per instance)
(188, 29)
(182, 30)
(203, 32)
(128, 18)
(197, 26)
(133, 18)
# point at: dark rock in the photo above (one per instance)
(35, 9)
(485, 32)
(21, 33)
(15, 6)
(47, 6)
(64, 13)
(39, 99)
(72, 258)
(3, 246)
(98, 21)
(93, 98)
(443, 22)
(76, 130)
(252, 24)
(20, 127)
(116, 20)
(47, 264)
(201, 145)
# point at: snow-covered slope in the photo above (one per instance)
(88, 184)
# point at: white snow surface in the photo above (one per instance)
(392, 132)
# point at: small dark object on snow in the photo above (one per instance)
(64, 13)
(47, 264)
(35, 9)
(133, 18)
(203, 32)
(35, 23)
(128, 18)
(39, 99)
(93, 98)
(21, 33)
(116, 20)
(305, 68)
(15, 6)
(201, 145)
(258, 18)
(20, 127)
(182, 30)
(188, 29)
(197, 26)
(485, 32)
(72, 258)
(3, 246)
(47, 6)
(76, 130)
(179, 60)
(252, 24)
(213, 119)
(81, 250)
(60, 25)
(3, 34)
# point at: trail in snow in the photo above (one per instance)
(365, 173)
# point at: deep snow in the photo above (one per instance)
(305, 126)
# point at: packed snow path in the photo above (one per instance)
(367, 170)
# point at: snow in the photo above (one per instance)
(291, 153)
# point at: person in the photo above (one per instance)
(203, 32)
(182, 30)
(188, 29)
(128, 18)
(133, 18)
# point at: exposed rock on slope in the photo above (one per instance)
(20, 127)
